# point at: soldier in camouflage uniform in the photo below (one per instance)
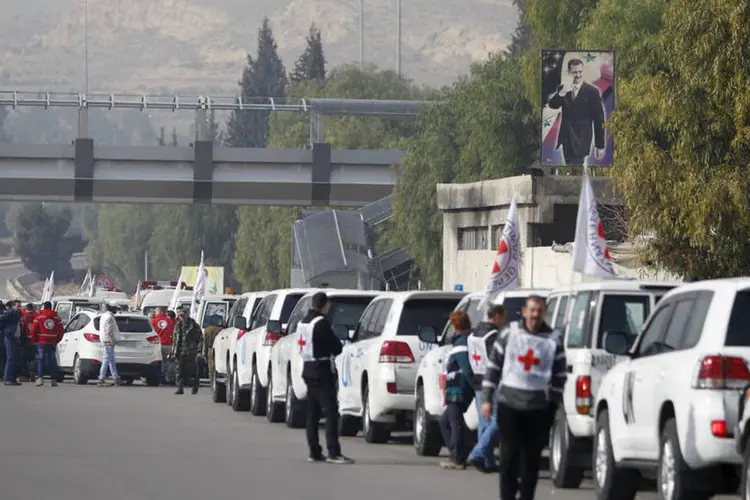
(187, 346)
(209, 335)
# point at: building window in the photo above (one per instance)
(497, 233)
(472, 238)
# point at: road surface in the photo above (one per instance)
(13, 272)
(132, 443)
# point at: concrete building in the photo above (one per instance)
(474, 215)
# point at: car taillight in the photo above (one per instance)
(240, 334)
(271, 338)
(154, 339)
(722, 372)
(719, 429)
(91, 337)
(583, 395)
(395, 352)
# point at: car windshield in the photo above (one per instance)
(128, 324)
(215, 309)
(433, 313)
(347, 310)
(623, 313)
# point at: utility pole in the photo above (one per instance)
(361, 34)
(83, 112)
(398, 37)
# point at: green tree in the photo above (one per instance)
(683, 141)
(311, 65)
(42, 241)
(484, 128)
(264, 76)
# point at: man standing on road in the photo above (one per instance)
(10, 326)
(187, 346)
(110, 336)
(209, 335)
(28, 349)
(318, 347)
(163, 325)
(526, 374)
(480, 344)
(46, 332)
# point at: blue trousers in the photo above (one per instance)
(11, 353)
(45, 354)
(486, 436)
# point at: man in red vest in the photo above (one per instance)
(46, 332)
(164, 327)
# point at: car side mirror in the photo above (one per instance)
(341, 332)
(617, 343)
(240, 323)
(275, 327)
(427, 335)
(216, 320)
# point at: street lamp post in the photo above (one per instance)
(83, 111)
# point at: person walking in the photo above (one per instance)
(318, 347)
(524, 382)
(480, 343)
(46, 331)
(110, 336)
(10, 325)
(27, 354)
(3, 353)
(459, 393)
(187, 345)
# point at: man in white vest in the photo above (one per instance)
(480, 344)
(318, 346)
(526, 373)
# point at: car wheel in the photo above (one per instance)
(154, 379)
(257, 395)
(240, 397)
(674, 479)
(218, 390)
(427, 438)
(60, 376)
(274, 410)
(78, 376)
(610, 481)
(375, 432)
(294, 409)
(746, 472)
(562, 454)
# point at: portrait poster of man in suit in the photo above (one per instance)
(578, 96)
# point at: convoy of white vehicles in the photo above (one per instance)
(658, 376)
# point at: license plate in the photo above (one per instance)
(128, 343)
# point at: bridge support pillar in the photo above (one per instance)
(83, 186)
(321, 174)
(203, 160)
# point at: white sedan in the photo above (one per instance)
(137, 355)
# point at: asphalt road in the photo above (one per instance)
(131, 443)
(13, 272)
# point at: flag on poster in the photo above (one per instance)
(199, 290)
(176, 294)
(590, 253)
(505, 270)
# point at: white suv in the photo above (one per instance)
(377, 371)
(428, 393)
(586, 311)
(670, 409)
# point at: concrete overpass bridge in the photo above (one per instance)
(202, 173)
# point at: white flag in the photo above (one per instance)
(92, 287)
(51, 287)
(590, 253)
(138, 295)
(198, 290)
(505, 270)
(176, 295)
(45, 290)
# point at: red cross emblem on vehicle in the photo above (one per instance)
(301, 343)
(477, 358)
(529, 360)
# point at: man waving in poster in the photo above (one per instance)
(582, 117)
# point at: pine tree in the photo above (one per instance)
(311, 65)
(264, 76)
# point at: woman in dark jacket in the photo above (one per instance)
(459, 393)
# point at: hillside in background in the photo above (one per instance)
(191, 46)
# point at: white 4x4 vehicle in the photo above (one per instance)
(225, 343)
(287, 391)
(586, 311)
(268, 326)
(428, 393)
(138, 354)
(671, 407)
(377, 371)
